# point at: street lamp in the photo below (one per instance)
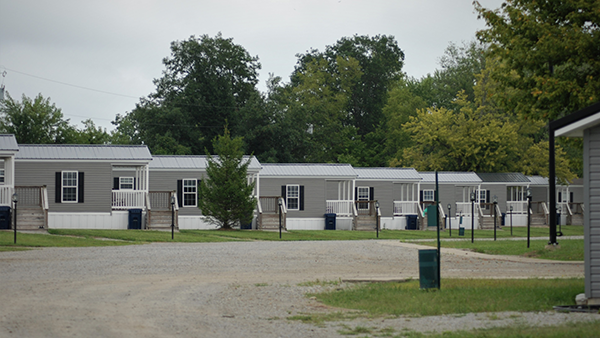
(377, 216)
(449, 220)
(15, 199)
(495, 214)
(528, 215)
(279, 202)
(472, 216)
(172, 216)
(511, 212)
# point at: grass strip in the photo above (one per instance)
(568, 250)
(25, 240)
(585, 329)
(457, 296)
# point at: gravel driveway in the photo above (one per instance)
(239, 289)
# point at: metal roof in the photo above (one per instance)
(387, 174)
(450, 177)
(503, 177)
(191, 162)
(83, 152)
(307, 170)
(538, 180)
(8, 143)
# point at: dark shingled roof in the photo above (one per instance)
(503, 177)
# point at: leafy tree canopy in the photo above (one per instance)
(548, 53)
(207, 81)
(36, 121)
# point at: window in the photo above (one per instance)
(481, 196)
(1, 175)
(125, 183)
(428, 195)
(293, 197)
(69, 186)
(362, 194)
(190, 192)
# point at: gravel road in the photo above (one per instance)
(239, 289)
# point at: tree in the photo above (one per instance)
(225, 194)
(207, 81)
(90, 134)
(36, 121)
(548, 53)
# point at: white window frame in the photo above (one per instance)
(293, 197)
(361, 196)
(426, 197)
(122, 185)
(69, 186)
(481, 196)
(189, 189)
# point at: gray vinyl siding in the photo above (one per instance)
(448, 194)
(591, 161)
(167, 181)
(384, 194)
(315, 190)
(97, 183)
(538, 194)
(498, 190)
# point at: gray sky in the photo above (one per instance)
(117, 47)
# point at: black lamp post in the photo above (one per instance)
(449, 220)
(559, 233)
(511, 210)
(528, 215)
(172, 216)
(279, 203)
(472, 216)
(377, 216)
(495, 215)
(15, 199)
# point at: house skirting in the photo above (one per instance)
(88, 220)
(195, 223)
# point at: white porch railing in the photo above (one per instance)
(464, 208)
(519, 207)
(123, 200)
(6, 195)
(340, 207)
(406, 208)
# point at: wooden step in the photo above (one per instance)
(271, 222)
(30, 218)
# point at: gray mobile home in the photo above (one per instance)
(397, 192)
(307, 193)
(70, 186)
(178, 177)
(455, 189)
(8, 151)
(584, 124)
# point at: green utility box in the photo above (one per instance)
(461, 231)
(428, 269)
(431, 216)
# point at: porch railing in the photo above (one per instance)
(519, 207)
(406, 208)
(5, 195)
(160, 200)
(339, 207)
(269, 204)
(464, 208)
(123, 200)
(29, 196)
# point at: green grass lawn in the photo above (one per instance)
(456, 296)
(75, 237)
(569, 249)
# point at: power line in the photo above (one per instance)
(71, 85)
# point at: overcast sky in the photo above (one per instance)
(58, 48)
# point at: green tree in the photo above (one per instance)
(91, 134)
(207, 81)
(548, 53)
(36, 121)
(225, 194)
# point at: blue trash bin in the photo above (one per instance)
(135, 219)
(411, 222)
(4, 217)
(330, 221)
